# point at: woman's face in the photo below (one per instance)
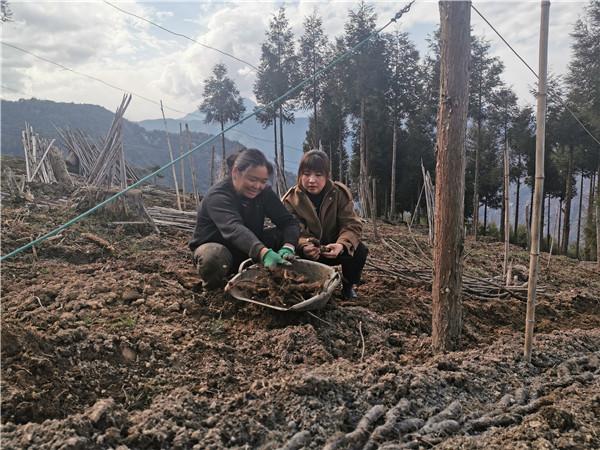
(312, 181)
(251, 181)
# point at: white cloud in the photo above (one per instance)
(93, 38)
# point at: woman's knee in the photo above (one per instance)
(213, 262)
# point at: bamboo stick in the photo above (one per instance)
(539, 181)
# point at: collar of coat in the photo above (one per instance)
(299, 199)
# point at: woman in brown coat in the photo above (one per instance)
(330, 230)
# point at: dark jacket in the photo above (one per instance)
(237, 222)
(336, 221)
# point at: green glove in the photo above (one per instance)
(272, 259)
(286, 253)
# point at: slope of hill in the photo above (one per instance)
(250, 133)
(143, 148)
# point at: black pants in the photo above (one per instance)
(352, 265)
(215, 261)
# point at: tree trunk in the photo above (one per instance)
(276, 157)
(559, 237)
(476, 179)
(534, 252)
(212, 165)
(568, 198)
(316, 127)
(485, 216)
(542, 215)
(341, 159)
(223, 155)
(587, 247)
(59, 168)
(548, 226)
(281, 152)
(506, 205)
(393, 182)
(598, 217)
(362, 172)
(579, 216)
(518, 193)
(448, 248)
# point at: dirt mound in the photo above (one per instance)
(109, 341)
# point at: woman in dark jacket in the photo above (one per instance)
(230, 222)
(330, 230)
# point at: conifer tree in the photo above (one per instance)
(485, 79)
(222, 103)
(278, 73)
(313, 47)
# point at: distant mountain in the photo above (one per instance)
(249, 133)
(143, 148)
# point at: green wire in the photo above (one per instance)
(208, 141)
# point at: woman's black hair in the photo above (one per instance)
(249, 157)
(314, 161)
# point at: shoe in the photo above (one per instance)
(348, 292)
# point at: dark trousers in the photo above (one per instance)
(215, 261)
(352, 265)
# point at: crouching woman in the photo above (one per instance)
(330, 230)
(230, 222)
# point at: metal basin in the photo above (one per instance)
(312, 270)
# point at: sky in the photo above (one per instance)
(93, 38)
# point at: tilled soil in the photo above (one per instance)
(118, 347)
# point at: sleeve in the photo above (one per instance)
(349, 223)
(282, 218)
(223, 212)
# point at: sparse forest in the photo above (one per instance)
(383, 102)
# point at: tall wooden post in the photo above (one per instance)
(171, 157)
(534, 253)
(193, 165)
(182, 165)
(455, 40)
(579, 216)
(393, 181)
(506, 205)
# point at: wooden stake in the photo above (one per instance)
(182, 165)
(534, 253)
(171, 156)
(193, 165)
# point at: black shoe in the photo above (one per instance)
(348, 292)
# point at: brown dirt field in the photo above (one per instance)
(120, 348)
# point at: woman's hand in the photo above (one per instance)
(311, 251)
(334, 250)
(271, 259)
